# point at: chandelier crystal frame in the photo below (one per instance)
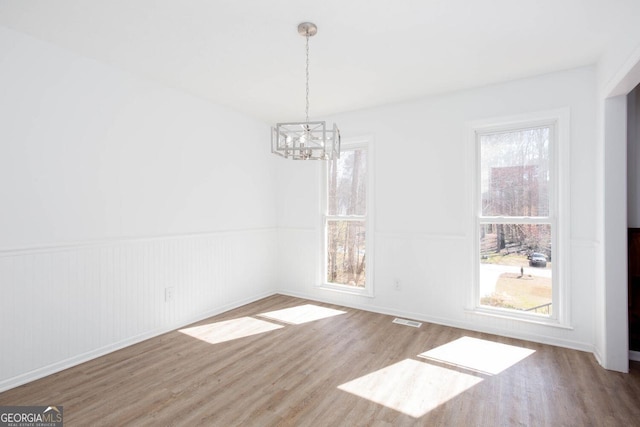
(306, 140)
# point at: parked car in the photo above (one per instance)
(537, 260)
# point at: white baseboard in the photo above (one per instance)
(574, 345)
(634, 355)
(102, 351)
(596, 354)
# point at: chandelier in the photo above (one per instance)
(306, 140)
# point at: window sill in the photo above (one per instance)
(499, 314)
(346, 289)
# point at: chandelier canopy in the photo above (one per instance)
(306, 140)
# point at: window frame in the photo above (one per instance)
(559, 204)
(365, 143)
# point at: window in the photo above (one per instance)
(346, 218)
(519, 247)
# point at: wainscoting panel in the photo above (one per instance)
(63, 305)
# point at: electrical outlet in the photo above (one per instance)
(168, 294)
(396, 285)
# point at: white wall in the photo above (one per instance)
(633, 158)
(423, 205)
(615, 350)
(618, 68)
(113, 188)
(618, 74)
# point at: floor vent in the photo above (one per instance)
(406, 322)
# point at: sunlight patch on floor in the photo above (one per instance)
(228, 330)
(411, 387)
(302, 314)
(479, 355)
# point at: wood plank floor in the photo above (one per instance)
(349, 368)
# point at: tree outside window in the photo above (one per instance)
(515, 224)
(345, 219)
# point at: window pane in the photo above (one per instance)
(515, 173)
(347, 179)
(346, 255)
(515, 267)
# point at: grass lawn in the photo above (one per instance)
(520, 293)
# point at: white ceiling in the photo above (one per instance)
(247, 55)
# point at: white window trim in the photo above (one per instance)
(368, 290)
(560, 207)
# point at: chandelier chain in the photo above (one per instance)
(307, 78)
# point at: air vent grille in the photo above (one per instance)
(406, 322)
